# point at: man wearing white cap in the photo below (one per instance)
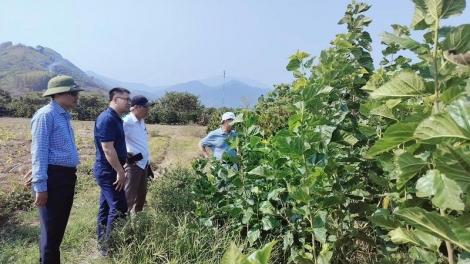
(216, 139)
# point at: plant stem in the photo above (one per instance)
(436, 74)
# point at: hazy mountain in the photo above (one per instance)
(219, 80)
(24, 69)
(234, 94)
(134, 88)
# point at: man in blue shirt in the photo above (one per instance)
(216, 139)
(54, 158)
(110, 157)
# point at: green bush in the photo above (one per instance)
(20, 198)
(171, 194)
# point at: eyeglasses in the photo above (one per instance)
(74, 94)
(124, 98)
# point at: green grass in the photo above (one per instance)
(165, 232)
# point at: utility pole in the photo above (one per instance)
(223, 92)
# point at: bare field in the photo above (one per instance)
(169, 146)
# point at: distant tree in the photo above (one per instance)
(179, 108)
(246, 101)
(215, 117)
(275, 110)
(89, 106)
(5, 99)
(26, 105)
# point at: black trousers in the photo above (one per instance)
(55, 215)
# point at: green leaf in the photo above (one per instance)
(425, 185)
(384, 221)
(294, 122)
(428, 12)
(447, 194)
(289, 146)
(451, 94)
(261, 256)
(422, 255)
(233, 255)
(438, 129)
(257, 171)
(267, 208)
(383, 111)
(408, 166)
(269, 223)
(402, 236)
(454, 162)
(404, 84)
(405, 42)
(458, 39)
(396, 134)
(320, 234)
(442, 227)
(253, 235)
(459, 111)
(294, 64)
(299, 194)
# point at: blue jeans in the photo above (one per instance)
(113, 203)
(54, 216)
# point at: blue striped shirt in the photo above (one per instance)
(53, 142)
(217, 141)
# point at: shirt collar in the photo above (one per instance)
(59, 108)
(133, 118)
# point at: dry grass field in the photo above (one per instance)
(169, 146)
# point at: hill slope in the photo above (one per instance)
(24, 69)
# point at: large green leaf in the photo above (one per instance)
(385, 221)
(422, 255)
(458, 39)
(383, 111)
(396, 134)
(233, 255)
(289, 145)
(446, 192)
(428, 12)
(404, 42)
(261, 256)
(443, 227)
(408, 166)
(459, 111)
(453, 93)
(402, 236)
(404, 84)
(454, 162)
(440, 128)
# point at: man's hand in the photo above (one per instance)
(41, 199)
(29, 178)
(120, 180)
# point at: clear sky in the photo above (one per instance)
(165, 42)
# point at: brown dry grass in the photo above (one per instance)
(169, 146)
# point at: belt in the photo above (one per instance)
(62, 168)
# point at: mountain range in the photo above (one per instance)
(24, 69)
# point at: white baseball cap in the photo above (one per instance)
(227, 115)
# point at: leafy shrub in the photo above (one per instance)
(171, 193)
(20, 198)
(26, 105)
(89, 106)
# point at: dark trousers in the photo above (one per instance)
(54, 216)
(113, 204)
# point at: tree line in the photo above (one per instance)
(174, 108)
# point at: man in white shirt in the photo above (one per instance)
(136, 142)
